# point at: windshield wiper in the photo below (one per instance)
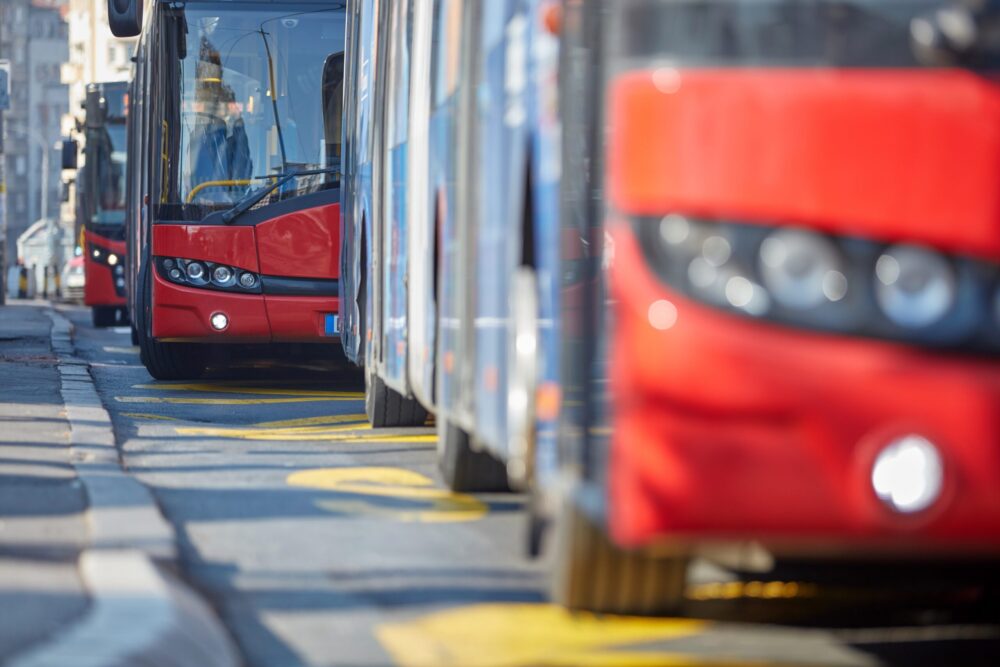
(252, 198)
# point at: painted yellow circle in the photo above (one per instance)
(392, 493)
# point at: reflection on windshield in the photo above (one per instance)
(251, 102)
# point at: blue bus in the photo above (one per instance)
(450, 225)
(391, 172)
(497, 320)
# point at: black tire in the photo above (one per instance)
(591, 573)
(166, 361)
(387, 408)
(103, 316)
(465, 469)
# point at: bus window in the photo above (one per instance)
(250, 104)
(333, 107)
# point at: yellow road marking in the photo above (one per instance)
(763, 590)
(225, 401)
(313, 421)
(523, 635)
(263, 391)
(368, 488)
(148, 415)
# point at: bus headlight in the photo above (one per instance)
(207, 275)
(222, 275)
(915, 287)
(195, 271)
(827, 282)
(802, 269)
(908, 474)
(248, 280)
(112, 259)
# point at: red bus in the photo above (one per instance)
(233, 189)
(101, 202)
(799, 297)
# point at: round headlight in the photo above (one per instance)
(908, 474)
(915, 287)
(195, 271)
(222, 275)
(802, 269)
(248, 280)
(175, 274)
(112, 259)
(169, 264)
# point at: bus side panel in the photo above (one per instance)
(394, 286)
(356, 149)
(446, 335)
(501, 127)
(419, 243)
(546, 171)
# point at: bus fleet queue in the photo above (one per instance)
(704, 278)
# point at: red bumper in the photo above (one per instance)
(99, 288)
(183, 313)
(726, 428)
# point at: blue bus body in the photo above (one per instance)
(452, 158)
(356, 210)
(510, 224)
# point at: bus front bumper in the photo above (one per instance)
(729, 429)
(185, 314)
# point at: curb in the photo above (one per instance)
(139, 614)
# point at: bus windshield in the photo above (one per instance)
(251, 103)
(108, 154)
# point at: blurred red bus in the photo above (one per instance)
(101, 202)
(798, 305)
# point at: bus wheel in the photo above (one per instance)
(172, 361)
(386, 407)
(103, 316)
(465, 469)
(591, 573)
(166, 361)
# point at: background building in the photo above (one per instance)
(34, 37)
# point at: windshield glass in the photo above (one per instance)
(105, 175)
(251, 102)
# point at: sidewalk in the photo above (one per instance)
(42, 528)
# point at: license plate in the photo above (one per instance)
(332, 325)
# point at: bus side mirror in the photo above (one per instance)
(69, 150)
(125, 17)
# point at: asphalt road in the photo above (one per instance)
(323, 542)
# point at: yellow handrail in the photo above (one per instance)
(215, 184)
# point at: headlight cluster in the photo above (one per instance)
(112, 260)
(828, 283)
(208, 275)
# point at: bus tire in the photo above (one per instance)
(165, 361)
(387, 408)
(463, 468)
(591, 573)
(103, 316)
(172, 361)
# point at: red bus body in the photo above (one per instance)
(728, 427)
(100, 289)
(302, 244)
